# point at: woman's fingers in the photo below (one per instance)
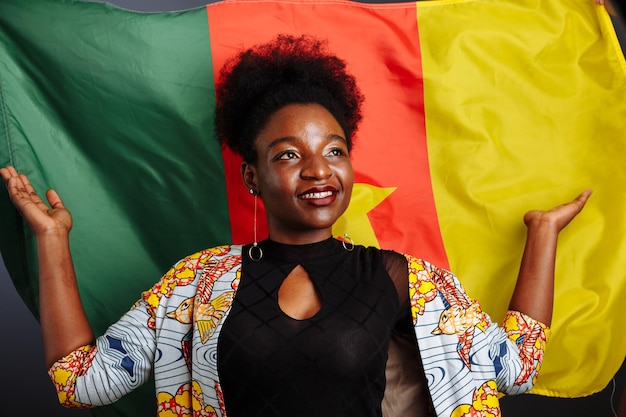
(8, 172)
(23, 194)
(558, 216)
(54, 199)
(40, 217)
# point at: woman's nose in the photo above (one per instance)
(316, 169)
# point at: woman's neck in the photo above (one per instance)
(300, 238)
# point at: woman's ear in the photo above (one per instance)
(248, 176)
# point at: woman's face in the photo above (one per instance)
(303, 174)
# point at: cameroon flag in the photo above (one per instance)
(476, 111)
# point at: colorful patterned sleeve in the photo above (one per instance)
(529, 337)
(505, 358)
(120, 361)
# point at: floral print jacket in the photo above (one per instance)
(173, 330)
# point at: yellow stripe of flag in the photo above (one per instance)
(526, 107)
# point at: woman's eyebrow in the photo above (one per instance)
(291, 139)
(278, 141)
(340, 138)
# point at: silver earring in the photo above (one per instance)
(347, 242)
(255, 252)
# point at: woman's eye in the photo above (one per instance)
(287, 155)
(337, 152)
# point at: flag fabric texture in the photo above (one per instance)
(476, 111)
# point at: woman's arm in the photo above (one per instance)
(534, 291)
(64, 324)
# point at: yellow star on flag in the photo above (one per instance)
(355, 222)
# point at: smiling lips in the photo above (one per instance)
(319, 196)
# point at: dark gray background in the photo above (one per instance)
(26, 391)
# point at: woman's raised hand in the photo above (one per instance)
(534, 291)
(559, 216)
(64, 325)
(41, 218)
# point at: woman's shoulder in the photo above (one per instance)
(187, 266)
(203, 256)
(192, 270)
(207, 262)
(402, 265)
(395, 259)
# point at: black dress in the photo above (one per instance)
(331, 364)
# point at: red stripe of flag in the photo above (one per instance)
(380, 43)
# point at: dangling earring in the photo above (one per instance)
(255, 249)
(347, 239)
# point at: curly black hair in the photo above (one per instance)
(261, 80)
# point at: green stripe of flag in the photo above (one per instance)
(121, 126)
(114, 111)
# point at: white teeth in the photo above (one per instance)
(323, 194)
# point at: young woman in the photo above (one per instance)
(299, 324)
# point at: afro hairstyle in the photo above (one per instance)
(263, 79)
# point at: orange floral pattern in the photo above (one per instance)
(65, 371)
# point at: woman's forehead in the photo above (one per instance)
(298, 119)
